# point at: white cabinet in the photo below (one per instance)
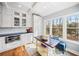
(27, 38)
(16, 18)
(24, 39)
(7, 17)
(23, 19)
(0, 14)
(30, 20)
(1, 43)
(11, 17)
(11, 45)
(19, 18)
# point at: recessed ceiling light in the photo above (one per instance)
(19, 5)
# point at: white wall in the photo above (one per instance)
(38, 25)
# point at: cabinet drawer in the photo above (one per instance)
(12, 45)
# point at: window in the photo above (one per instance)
(73, 27)
(47, 28)
(57, 27)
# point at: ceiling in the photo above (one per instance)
(42, 8)
(46, 8)
(21, 5)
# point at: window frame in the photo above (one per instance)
(57, 19)
(64, 26)
(73, 28)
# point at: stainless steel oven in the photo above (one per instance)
(12, 38)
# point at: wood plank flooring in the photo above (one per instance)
(19, 51)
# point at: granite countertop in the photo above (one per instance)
(46, 43)
(9, 34)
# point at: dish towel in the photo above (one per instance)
(61, 46)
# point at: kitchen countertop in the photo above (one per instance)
(46, 43)
(9, 34)
(66, 53)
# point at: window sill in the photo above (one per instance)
(75, 42)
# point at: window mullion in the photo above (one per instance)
(64, 28)
(51, 27)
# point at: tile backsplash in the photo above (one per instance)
(11, 30)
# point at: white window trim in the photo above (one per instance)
(64, 27)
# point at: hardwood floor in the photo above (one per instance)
(19, 51)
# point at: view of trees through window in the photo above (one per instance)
(57, 27)
(73, 27)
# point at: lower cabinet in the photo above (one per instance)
(24, 39)
(27, 38)
(42, 49)
(12, 45)
(1, 43)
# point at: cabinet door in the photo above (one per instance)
(16, 21)
(7, 20)
(27, 38)
(0, 15)
(24, 38)
(11, 45)
(0, 19)
(23, 22)
(1, 44)
(16, 18)
(23, 19)
(11, 17)
(29, 22)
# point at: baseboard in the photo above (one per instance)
(73, 52)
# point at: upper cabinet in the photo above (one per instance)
(16, 18)
(0, 14)
(23, 19)
(11, 17)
